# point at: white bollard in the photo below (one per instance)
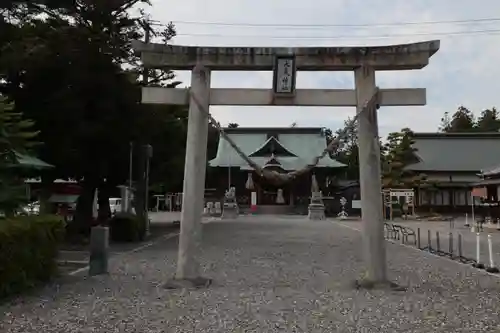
(466, 219)
(478, 251)
(491, 268)
(478, 247)
(490, 251)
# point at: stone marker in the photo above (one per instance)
(316, 207)
(99, 250)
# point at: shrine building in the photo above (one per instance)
(281, 149)
(455, 163)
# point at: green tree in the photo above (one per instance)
(16, 136)
(399, 153)
(66, 72)
(488, 121)
(347, 151)
(461, 121)
(165, 128)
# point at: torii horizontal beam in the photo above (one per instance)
(393, 57)
(266, 97)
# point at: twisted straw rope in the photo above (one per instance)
(274, 176)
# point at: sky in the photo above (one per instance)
(464, 71)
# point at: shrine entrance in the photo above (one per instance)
(284, 62)
(270, 194)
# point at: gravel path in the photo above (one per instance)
(270, 276)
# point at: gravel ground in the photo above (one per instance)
(280, 275)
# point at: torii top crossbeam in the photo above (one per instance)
(394, 57)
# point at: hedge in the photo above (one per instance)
(29, 247)
(125, 227)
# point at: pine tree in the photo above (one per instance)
(399, 153)
(488, 121)
(15, 137)
(461, 121)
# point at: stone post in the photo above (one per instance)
(194, 178)
(370, 182)
(99, 250)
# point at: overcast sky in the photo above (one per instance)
(465, 71)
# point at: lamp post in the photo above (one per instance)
(148, 154)
(130, 166)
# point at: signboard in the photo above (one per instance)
(284, 75)
(401, 193)
(356, 204)
(479, 192)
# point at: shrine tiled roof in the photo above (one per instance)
(272, 146)
(466, 152)
(303, 143)
(273, 162)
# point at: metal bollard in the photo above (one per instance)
(418, 238)
(429, 241)
(99, 250)
(459, 245)
(438, 244)
(450, 244)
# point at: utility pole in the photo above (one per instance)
(128, 192)
(144, 153)
(146, 25)
(147, 150)
(148, 154)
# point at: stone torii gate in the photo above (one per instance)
(364, 61)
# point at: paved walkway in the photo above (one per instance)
(164, 217)
(162, 223)
(271, 275)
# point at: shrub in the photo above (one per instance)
(29, 247)
(126, 227)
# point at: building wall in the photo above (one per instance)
(300, 188)
(446, 177)
(452, 193)
(444, 197)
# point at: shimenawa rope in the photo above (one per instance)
(275, 177)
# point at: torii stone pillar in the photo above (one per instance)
(194, 182)
(370, 182)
